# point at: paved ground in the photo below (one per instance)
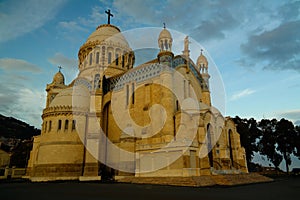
(279, 189)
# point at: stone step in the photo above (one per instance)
(200, 181)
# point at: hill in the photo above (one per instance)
(14, 128)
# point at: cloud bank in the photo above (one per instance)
(20, 17)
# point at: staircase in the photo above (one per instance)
(199, 181)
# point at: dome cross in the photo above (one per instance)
(108, 15)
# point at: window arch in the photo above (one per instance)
(97, 81)
(133, 95)
(45, 127)
(50, 126)
(103, 54)
(97, 57)
(123, 60)
(91, 58)
(73, 124)
(66, 125)
(59, 125)
(117, 59)
(109, 58)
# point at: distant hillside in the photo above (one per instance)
(14, 128)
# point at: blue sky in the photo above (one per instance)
(254, 44)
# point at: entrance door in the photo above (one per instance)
(105, 171)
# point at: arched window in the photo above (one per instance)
(177, 105)
(123, 61)
(45, 128)
(109, 58)
(91, 58)
(66, 124)
(103, 54)
(127, 95)
(73, 125)
(132, 87)
(97, 58)
(50, 124)
(166, 45)
(97, 81)
(59, 125)
(117, 59)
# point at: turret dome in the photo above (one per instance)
(58, 78)
(165, 40)
(164, 34)
(202, 60)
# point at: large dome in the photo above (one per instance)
(106, 38)
(108, 33)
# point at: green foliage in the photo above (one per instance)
(248, 135)
(277, 140)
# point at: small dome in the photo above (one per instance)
(165, 40)
(73, 96)
(165, 34)
(202, 60)
(58, 78)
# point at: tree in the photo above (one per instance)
(267, 143)
(286, 134)
(297, 142)
(249, 133)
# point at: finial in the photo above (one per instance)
(164, 25)
(201, 51)
(59, 68)
(108, 15)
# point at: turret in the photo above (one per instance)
(165, 56)
(202, 66)
(58, 83)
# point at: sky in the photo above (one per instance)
(254, 44)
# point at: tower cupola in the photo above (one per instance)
(165, 40)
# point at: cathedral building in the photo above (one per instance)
(115, 120)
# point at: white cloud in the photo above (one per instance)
(20, 17)
(72, 26)
(241, 94)
(84, 23)
(22, 103)
(60, 60)
(12, 64)
(293, 115)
